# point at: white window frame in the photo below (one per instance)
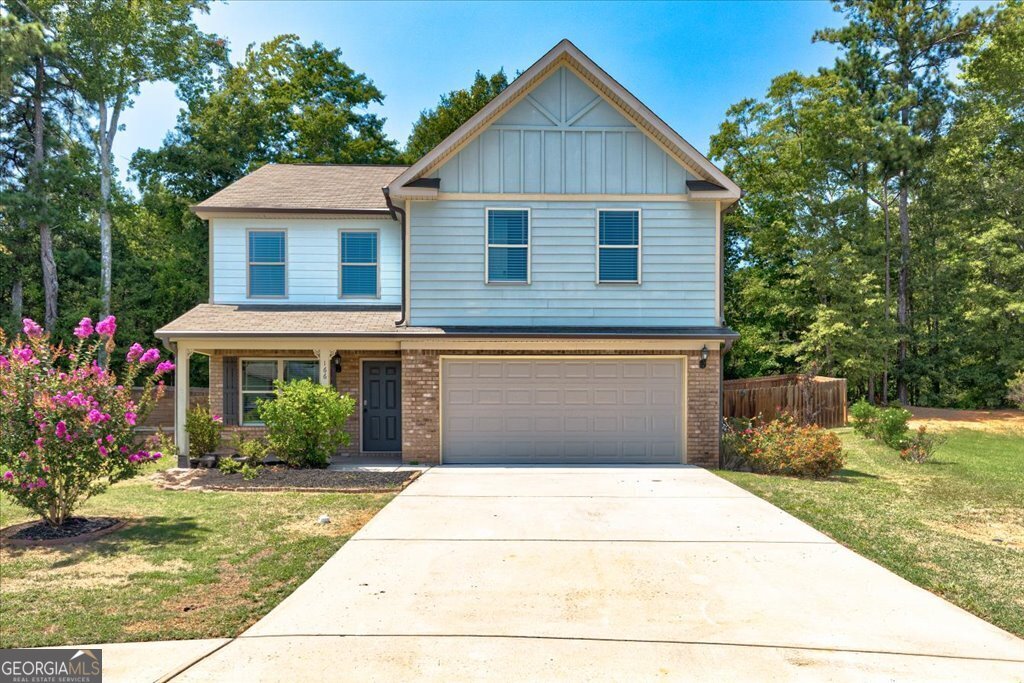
(639, 247)
(249, 263)
(488, 245)
(341, 264)
(280, 375)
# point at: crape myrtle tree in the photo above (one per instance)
(67, 422)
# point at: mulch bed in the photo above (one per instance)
(74, 530)
(287, 479)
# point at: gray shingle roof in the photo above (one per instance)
(311, 188)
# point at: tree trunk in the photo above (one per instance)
(903, 292)
(106, 241)
(888, 289)
(17, 299)
(49, 265)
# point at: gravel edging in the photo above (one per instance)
(282, 479)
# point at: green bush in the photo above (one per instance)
(229, 465)
(250, 471)
(1015, 390)
(921, 447)
(253, 451)
(784, 447)
(891, 427)
(864, 416)
(306, 422)
(204, 430)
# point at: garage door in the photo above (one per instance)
(553, 410)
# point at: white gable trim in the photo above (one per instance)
(567, 54)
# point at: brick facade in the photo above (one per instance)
(421, 435)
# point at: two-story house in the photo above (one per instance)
(545, 286)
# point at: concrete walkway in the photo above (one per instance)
(610, 573)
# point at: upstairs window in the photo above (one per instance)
(266, 263)
(359, 265)
(618, 246)
(508, 246)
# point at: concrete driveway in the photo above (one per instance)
(610, 573)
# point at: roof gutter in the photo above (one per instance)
(394, 214)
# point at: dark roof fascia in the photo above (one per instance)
(703, 186)
(196, 208)
(432, 183)
(720, 333)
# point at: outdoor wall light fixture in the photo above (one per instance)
(704, 356)
(337, 363)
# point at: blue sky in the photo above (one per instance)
(688, 61)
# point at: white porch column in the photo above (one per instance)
(181, 393)
(324, 355)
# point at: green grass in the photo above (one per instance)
(954, 525)
(189, 564)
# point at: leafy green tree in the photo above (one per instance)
(454, 109)
(112, 48)
(284, 102)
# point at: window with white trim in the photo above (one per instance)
(360, 272)
(508, 246)
(267, 263)
(618, 245)
(258, 376)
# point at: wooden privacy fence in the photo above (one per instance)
(820, 400)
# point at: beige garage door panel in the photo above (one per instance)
(557, 410)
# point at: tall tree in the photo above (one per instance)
(113, 47)
(455, 107)
(907, 46)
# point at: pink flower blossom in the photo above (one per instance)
(151, 356)
(39, 442)
(217, 418)
(96, 416)
(103, 451)
(130, 418)
(8, 475)
(84, 329)
(31, 328)
(135, 352)
(110, 438)
(4, 363)
(107, 327)
(24, 354)
(62, 429)
(165, 366)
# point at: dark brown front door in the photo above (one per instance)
(382, 405)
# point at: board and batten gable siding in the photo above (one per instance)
(313, 259)
(562, 138)
(679, 267)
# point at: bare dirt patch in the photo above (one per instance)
(995, 527)
(285, 479)
(99, 572)
(343, 524)
(945, 419)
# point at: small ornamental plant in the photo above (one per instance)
(784, 447)
(67, 422)
(204, 430)
(306, 422)
(921, 447)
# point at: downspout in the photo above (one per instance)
(394, 214)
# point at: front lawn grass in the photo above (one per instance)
(188, 565)
(954, 525)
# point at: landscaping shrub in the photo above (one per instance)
(1015, 390)
(229, 465)
(306, 422)
(253, 451)
(784, 447)
(67, 422)
(891, 426)
(864, 416)
(921, 447)
(204, 430)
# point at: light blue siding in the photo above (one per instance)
(677, 261)
(314, 257)
(562, 139)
